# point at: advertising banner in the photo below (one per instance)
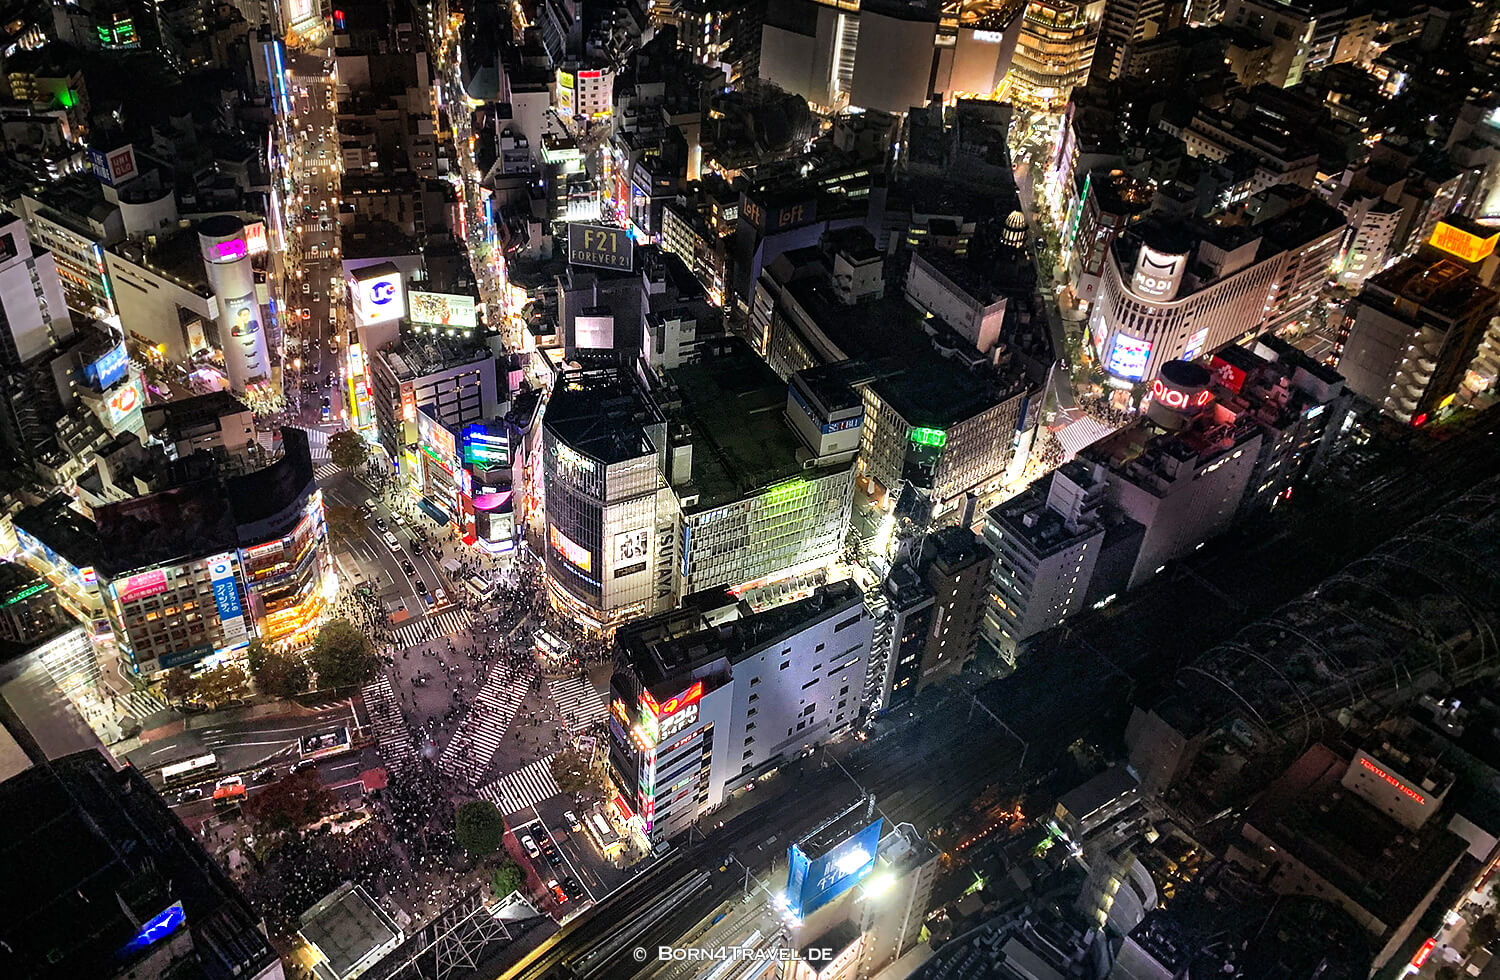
(379, 298)
(1128, 357)
(814, 882)
(124, 404)
(255, 238)
(140, 586)
(443, 310)
(632, 550)
(108, 369)
(570, 550)
(436, 436)
(600, 247)
(227, 598)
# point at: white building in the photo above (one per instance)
(696, 710)
(31, 297)
(1046, 541)
(972, 307)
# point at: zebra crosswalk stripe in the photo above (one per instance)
(578, 701)
(326, 471)
(523, 788)
(388, 725)
(468, 754)
(142, 704)
(445, 623)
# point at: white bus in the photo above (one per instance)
(189, 770)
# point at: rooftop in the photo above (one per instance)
(1385, 867)
(736, 405)
(81, 842)
(418, 356)
(602, 413)
(665, 649)
(346, 927)
(1444, 287)
(174, 255)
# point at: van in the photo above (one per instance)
(392, 543)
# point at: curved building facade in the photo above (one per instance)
(1177, 300)
(242, 335)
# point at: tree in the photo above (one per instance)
(479, 827)
(344, 523)
(277, 673)
(179, 686)
(219, 685)
(342, 655)
(573, 775)
(292, 802)
(1485, 930)
(507, 878)
(348, 449)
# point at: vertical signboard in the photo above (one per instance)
(227, 598)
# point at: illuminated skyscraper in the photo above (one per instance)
(1055, 51)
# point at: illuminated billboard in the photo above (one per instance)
(600, 247)
(571, 551)
(814, 882)
(1157, 274)
(1463, 244)
(140, 586)
(124, 404)
(1128, 357)
(436, 437)
(596, 332)
(378, 295)
(1195, 344)
(631, 551)
(442, 309)
(565, 93)
(109, 368)
(227, 597)
(255, 238)
(485, 449)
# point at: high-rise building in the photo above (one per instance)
(697, 710)
(1177, 290)
(33, 310)
(106, 882)
(1055, 51)
(1419, 337)
(1126, 23)
(937, 594)
(242, 337)
(1046, 542)
(1289, 27)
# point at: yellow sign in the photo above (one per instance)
(1456, 241)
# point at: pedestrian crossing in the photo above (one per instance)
(317, 442)
(478, 738)
(141, 704)
(389, 726)
(326, 472)
(431, 627)
(579, 702)
(523, 788)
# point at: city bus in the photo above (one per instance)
(189, 770)
(335, 741)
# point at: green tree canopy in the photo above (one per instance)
(279, 674)
(342, 655)
(344, 523)
(178, 685)
(348, 449)
(507, 878)
(573, 775)
(479, 828)
(292, 802)
(219, 685)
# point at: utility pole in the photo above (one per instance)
(974, 702)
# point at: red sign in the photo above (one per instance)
(596, 73)
(1173, 398)
(1405, 789)
(673, 705)
(122, 163)
(1420, 960)
(1227, 374)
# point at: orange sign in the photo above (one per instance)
(1456, 241)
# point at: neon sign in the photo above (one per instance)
(1402, 787)
(1460, 243)
(159, 927)
(1172, 398)
(674, 704)
(929, 437)
(1128, 357)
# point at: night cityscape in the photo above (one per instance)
(750, 489)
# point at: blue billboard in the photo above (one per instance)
(104, 372)
(814, 882)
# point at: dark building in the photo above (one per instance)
(103, 881)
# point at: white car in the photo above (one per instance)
(392, 542)
(530, 846)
